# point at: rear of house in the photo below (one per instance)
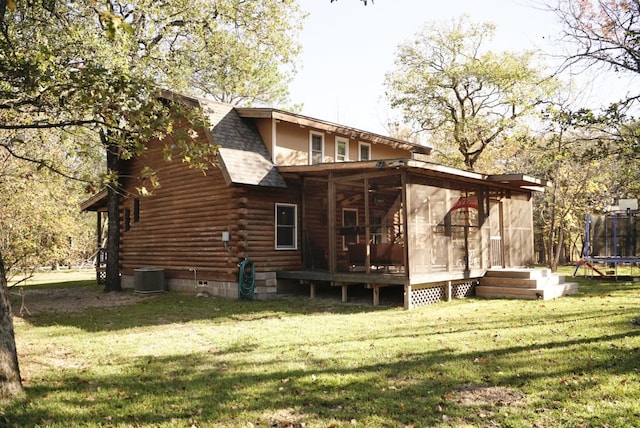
(312, 202)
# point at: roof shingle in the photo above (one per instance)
(243, 155)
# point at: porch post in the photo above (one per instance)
(503, 255)
(99, 230)
(331, 222)
(376, 294)
(405, 222)
(407, 296)
(312, 290)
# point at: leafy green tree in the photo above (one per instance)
(40, 223)
(92, 68)
(104, 66)
(447, 85)
(565, 153)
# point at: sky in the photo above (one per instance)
(348, 48)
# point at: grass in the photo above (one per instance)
(179, 361)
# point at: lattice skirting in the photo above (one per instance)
(463, 289)
(437, 293)
(101, 277)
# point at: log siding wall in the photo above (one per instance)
(180, 225)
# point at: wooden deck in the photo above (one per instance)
(417, 291)
(374, 280)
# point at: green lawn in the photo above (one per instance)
(176, 360)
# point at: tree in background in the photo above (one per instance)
(606, 34)
(40, 224)
(603, 33)
(447, 85)
(103, 68)
(579, 180)
(92, 70)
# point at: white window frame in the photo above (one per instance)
(360, 146)
(295, 227)
(344, 238)
(346, 149)
(311, 135)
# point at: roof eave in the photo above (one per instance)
(507, 181)
(97, 202)
(354, 133)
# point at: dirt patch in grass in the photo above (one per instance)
(72, 299)
(481, 395)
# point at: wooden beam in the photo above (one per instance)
(407, 297)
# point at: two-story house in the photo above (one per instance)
(313, 202)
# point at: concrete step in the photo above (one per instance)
(524, 284)
(521, 282)
(546, 293)
(518, 273)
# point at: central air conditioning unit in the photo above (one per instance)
(149, 280)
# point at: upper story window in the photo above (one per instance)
(342, 149)
(286, 226)
(364, 151)
(316, 148)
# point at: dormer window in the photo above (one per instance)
(316, 148)
(342, 149)
(364, 151)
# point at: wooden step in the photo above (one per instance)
(508, 293)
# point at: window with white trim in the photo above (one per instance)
(364, 151)
(342, 149)
(316, 148)
(286, 226)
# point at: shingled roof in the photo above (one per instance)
(244, 158)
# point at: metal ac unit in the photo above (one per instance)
(149, 280)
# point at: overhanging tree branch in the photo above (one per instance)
(42, 163)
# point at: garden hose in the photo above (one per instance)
(246, 280)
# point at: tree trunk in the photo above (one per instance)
(558, 249)
(112, 282)
(10, 383)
